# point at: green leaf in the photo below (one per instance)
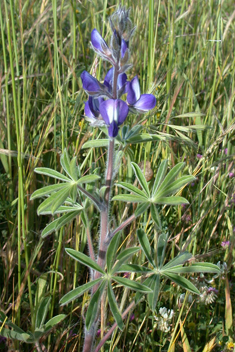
(42, 312)
(195, 268)
(181, 281)
(174, 200)
(124, 256)
(54, 321)
(133, 285)
(78, 291)
(133, 268)
(169, 178)
(149, 282)
(161, 248)
(14, 335)
(46, 191)
(155, 216)
(94, 305)
(74, 168)
(129, 187)
(65, 163)
(52, 203)
(88, 179)
(140, 176)
(141, 208)
(160, 176)
(130, 198)
(145, 245)
(73, 193)
(84, 259)
(52, 173)
(175, 186)
(97, 143)
(111, 252)
(179, 260)
(58, 223)
(156, 290)
(114, 307)
(141, 138)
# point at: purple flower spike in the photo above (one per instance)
(140, 103)
(91, 85)
(99, 45)
(114, 113)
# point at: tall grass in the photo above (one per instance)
(183, 52)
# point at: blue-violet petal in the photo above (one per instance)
(113, 130)
(133, 91)
(90, 83)
(145, 103)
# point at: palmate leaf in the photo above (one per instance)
(173, 200)
(141, 208)
(173, 173)
(114, 307)
(111, 252)
(84, 259)
(181, 281)
(145, 245)
(194, 268)
(77, 292)
(52, 203)
(155, 216)
(65, 163)
(129, 187)
(58, 223)
(130, 198)
(159, 177)
(123, 257)
(179, 260)
(141, 178)
(133, 285)
(94, 305)
(133, 268)
(46, 191)
(88, 179)
(156, 289)
(174, 186)
(51, 173)
(161, 248)
(97, 143)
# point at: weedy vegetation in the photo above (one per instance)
(117, 175)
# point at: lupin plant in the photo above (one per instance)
(106, 109)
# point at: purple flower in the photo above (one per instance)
(92, 111)
(91, 85)
(226, 151)
(98, 333)
(225, 244)
(121, 82)
(114, 113)
(100, 46)
(132, 317)
(139, 103)
(199, 156)
(231, 174)
(212, 289)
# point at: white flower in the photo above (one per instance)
(163, 320)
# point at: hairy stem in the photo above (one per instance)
(104, 222)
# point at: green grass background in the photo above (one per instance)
(183, 53)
